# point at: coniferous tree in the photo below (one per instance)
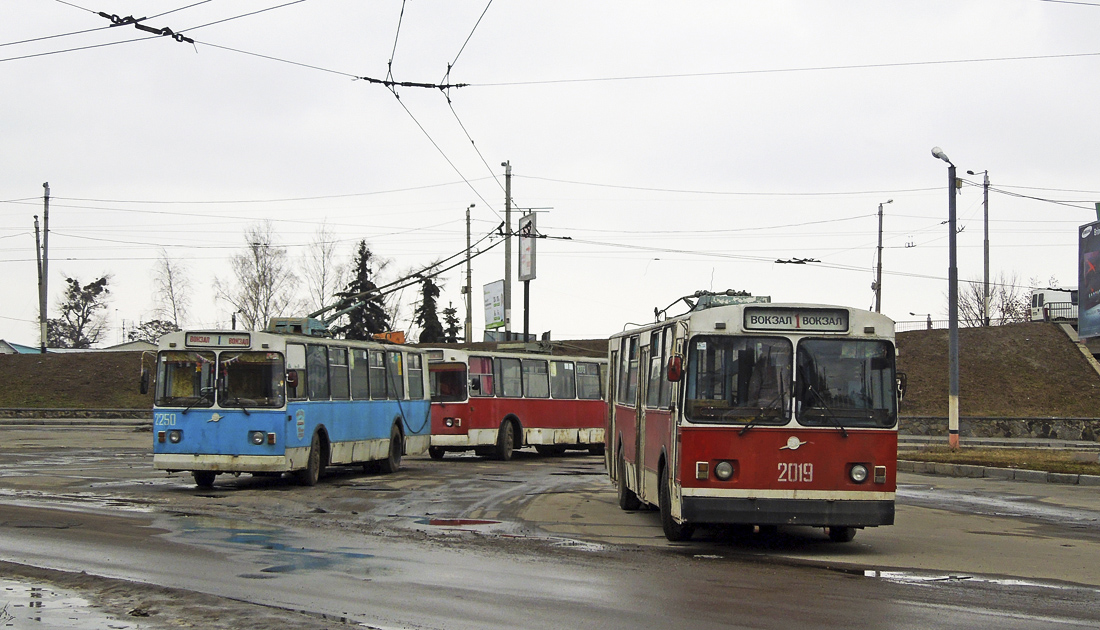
(450, 324)
(427, 317)
(369, 315)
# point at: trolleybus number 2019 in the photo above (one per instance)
(791, 472)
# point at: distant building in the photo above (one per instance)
(7, 347)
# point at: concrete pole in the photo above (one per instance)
(985, 286)
(878, 273)
(507, 250)
(44, 285)
(953, 316)
(469, 280)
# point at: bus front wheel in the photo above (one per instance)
(309, 475)
(436, 452)
(393, 463)
(204, 478)
(627, 499)
(506, 441)
(674, 531)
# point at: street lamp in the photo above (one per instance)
(985, 207)
(878, 274)
(929, 315)
(952, 306)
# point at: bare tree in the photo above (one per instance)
(1008, 301)
(173, 288)
(323, 274)
(264, 286)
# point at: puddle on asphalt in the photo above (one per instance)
(25, 605)
(907, 577)
(34, 498)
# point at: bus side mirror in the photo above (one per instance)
(903, 384)
(144, 380)
(675, 368)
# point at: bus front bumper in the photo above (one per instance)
(229, 463)
(775, 511)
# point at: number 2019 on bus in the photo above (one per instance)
(792, 472)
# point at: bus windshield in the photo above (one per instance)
(252, 379)
(738, 379)
(185, 379)
(448, 381)
(846, 383)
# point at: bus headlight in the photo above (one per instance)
(724, 470)
(257, 437)
(175, 435)
(858, 473)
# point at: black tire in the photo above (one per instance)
(436, 452)
(675, 532)
(311, 474)
(842, 534)
(595, 449)
(548, 450)
(506, 440)
(392, 463)
(627, 499)
(204, 478)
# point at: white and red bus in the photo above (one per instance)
(756, 415)
(495, 402)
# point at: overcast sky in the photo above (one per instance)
(670, 146)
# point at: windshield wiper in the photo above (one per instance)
(203, 393)
(238, 402)
(828, 412)
(776, 412)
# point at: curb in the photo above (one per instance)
(989, 472)
(76, 422)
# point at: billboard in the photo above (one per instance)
(1088, 281)
(494, 304)
(527, 235)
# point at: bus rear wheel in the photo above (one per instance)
(393, 463)
(309, 475)
(436, 452)
(204, 478)
(627, 499)
(674, 531)
(842, 534)
(506, 439)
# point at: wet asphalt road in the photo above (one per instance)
(539, 543)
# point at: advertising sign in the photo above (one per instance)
(1088, 281)
(527, 236)
(494, 304)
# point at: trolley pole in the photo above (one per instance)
(507, 249)
(469, 289)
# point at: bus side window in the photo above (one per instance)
(481, 376)
(317, 372)
(296, 365)
(509, 378)
(588, 381)
(563, 381)
(666, 386)
(655, 381)
(377, 375)
(360, 390)
(395, 376)
(536, 382)
(416, 377)
(338, 373)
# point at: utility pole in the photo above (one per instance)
(469, 289)
(507, 249)
(44, 265)
(952, 306)
(985, 286)
(878, 273)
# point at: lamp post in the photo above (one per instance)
(952, 306)
(878, 273)
(929, 315)
(985, 208)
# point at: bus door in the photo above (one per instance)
(639, 413)
(610, 434)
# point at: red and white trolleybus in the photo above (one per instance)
(756, 414)
(495, 402)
